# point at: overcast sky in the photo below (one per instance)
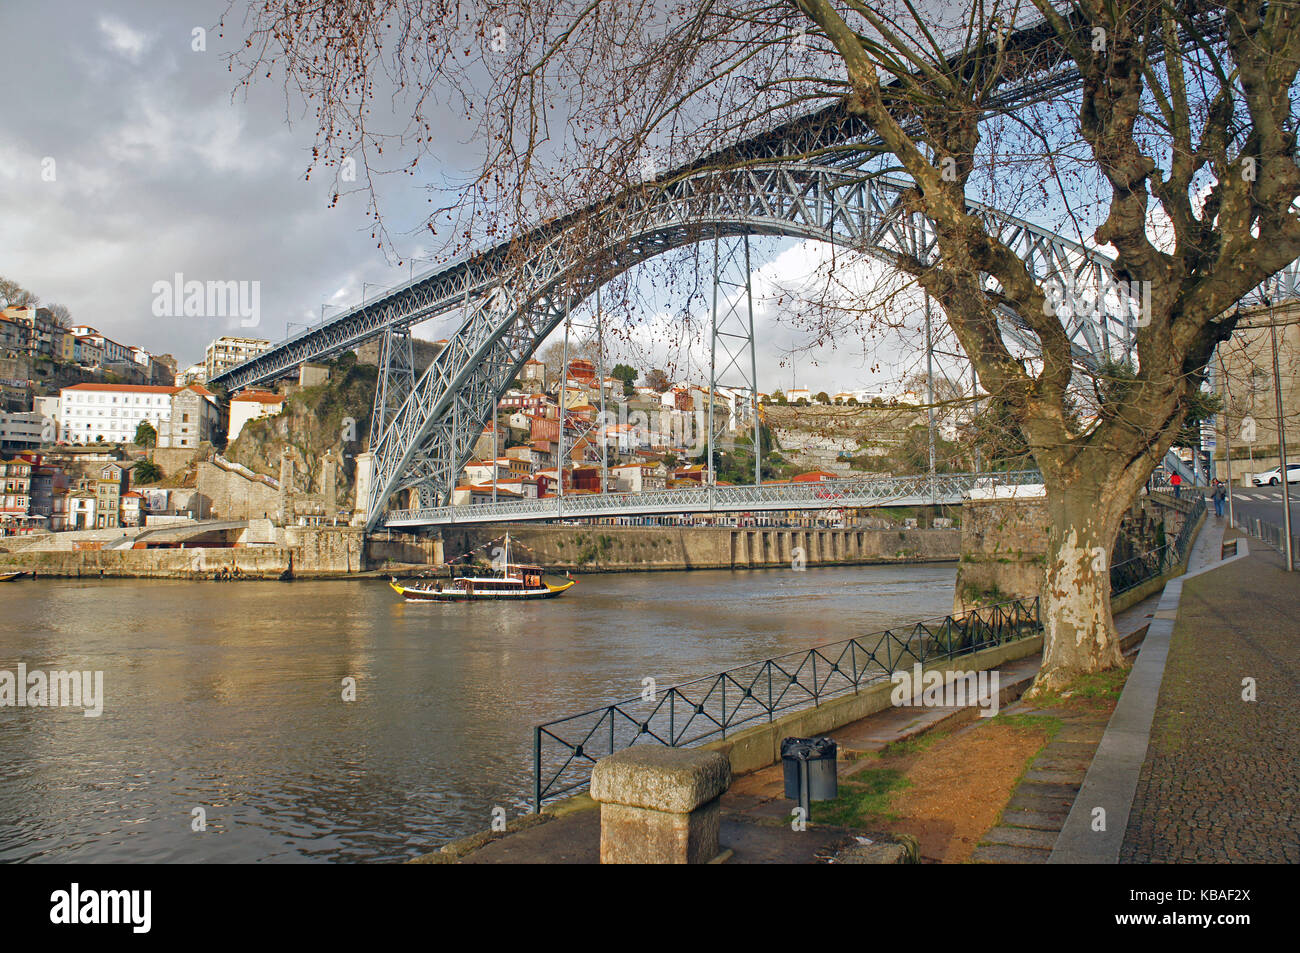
(130, 157)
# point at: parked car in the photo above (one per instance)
(1274, 477)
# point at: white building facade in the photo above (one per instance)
(110, 413)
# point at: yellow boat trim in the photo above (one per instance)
(571, 582)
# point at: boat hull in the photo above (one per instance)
(456, 595)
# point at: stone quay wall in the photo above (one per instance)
(1004, 544)
(641, 548)
(288, 552)
(258, 562)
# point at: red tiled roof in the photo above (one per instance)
(259, 396)
(129, 388)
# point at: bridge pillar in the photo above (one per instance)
(364, 476)
(329, 484)
(286, 489)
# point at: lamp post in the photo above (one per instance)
(1227, 436)
(1281, 437)
(411, 275)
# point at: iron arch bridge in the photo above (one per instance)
(514, 295)
(427, 435)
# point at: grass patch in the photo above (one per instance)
(1049, 724)
(1095, 687)
(864, 798)
(913, 745)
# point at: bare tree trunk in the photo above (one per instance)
(1080, 635)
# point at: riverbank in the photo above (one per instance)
(223, 550)
(755, 812)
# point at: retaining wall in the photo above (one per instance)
(641, 548)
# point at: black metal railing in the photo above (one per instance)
(1134, 571)
(1266, 532)
(564, 750)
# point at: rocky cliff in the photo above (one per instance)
(334, 416)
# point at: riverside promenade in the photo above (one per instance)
(1221, 779)
(1188, 770)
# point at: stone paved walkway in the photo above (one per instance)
(1034, 816)
(1221, 779)
(1037, 810)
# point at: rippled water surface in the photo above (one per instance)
(227, 697)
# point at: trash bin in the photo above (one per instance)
(820, 756)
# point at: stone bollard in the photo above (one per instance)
(660, 805)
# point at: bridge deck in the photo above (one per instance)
(891, 491)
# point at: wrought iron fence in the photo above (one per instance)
(564, 750)
(1135, 570)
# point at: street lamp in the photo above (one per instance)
(411, 262)
(1281, 435)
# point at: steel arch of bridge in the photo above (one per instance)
(431, 436)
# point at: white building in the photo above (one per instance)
(638, 477)
(194, 374)
(252, 405)
(111, 351)
(48, 407)
(110, 413)
(21, 431)
(227, 352)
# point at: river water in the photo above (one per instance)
(228, 697)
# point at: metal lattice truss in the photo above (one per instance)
(888, 491)
(831, 137)
(396, 379)
(801, 179)
(431, 436)
(733, 359)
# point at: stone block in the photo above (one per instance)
(675, 780)
(660, 805)
(637, 835)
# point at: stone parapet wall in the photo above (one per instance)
(1004, 544)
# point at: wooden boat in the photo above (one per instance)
(11, 576)
(517, 582)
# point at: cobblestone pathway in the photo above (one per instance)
(1221, 780)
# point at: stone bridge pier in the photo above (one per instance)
(1004, 538)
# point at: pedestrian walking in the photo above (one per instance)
(1220, 494)
(1177, 483)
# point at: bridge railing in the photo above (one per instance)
(825, 495)
(698, 711)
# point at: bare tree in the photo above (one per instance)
(1174, 153)
(61, 314)
(15, 295)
